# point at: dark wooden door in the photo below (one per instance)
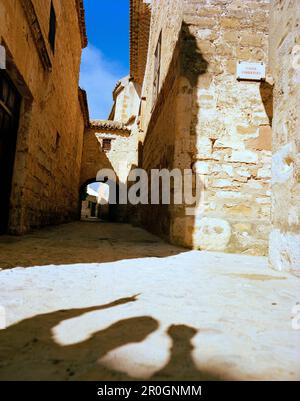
(9, 120)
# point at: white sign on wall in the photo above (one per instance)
(251, 71)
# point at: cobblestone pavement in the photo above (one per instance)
(110, 301)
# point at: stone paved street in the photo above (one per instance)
(110, 301)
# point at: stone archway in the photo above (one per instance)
(109, 145)
(113, 210)
(106, 145)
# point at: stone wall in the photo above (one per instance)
(126, 96)
(166, 17)
(121, 129)
(209, 121)
(158, 117)
(49, 147)
(120, 159)
(86, 208)
(285, 65)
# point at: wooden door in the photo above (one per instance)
(9, 120)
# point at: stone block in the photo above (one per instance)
(263, 141)
(283, 164)
(201, 167)
(212, 234)
(239, 209)
(285, 251)
(245, 156)
(222, 183)
(230, 22)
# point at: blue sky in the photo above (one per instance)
(106, 59)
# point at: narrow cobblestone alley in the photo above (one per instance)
(149, 194)
(126, 305)
(81, 242)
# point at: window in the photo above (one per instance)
(52, 27)
(106, 145)
(157, 57)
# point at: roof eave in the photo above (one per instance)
(82, 24)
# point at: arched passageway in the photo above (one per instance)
(99, 200)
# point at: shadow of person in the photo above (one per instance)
(29, 352)
(181, 365)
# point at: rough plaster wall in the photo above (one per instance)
(285, 64)
(221, 125)
(46, 177)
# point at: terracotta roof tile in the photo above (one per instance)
(109, 125)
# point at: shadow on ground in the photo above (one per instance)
(81, 242)
(29, 352)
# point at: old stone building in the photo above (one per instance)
(285, 68)
(113, 144)
(183, 106)
(196, 113)
(43, 113)
(214, 92)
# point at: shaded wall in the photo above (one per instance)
(285, 64)
(49, 146)
(208, 121)
(93, 158)
(122, 130)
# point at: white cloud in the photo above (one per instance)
(95, 186)
(98, 77)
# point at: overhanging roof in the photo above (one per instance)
(84, 106)
(110, 127)
(81, 20)
(140, 18)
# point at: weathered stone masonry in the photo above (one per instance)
(53, 115)
(184, 109)
(285, 66)
(122, 134)
(207, 120)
